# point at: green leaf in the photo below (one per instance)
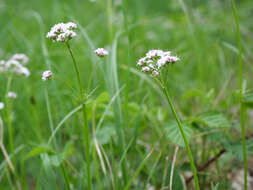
(105, 133)
(216, 186)
(56, 160)
(173, 133)
(236, 148)
(103, 98)
(38, 150)
(247, 100)
(212, 120)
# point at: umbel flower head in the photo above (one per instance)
(155, 61)
(101, 52)
(62, 32)
(47, 75)
(16, 65)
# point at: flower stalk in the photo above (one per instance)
(156, 63)
(85, 121)
(187, 146)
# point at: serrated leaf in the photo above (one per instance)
(173, 133)
(213, 120)
(247, 100)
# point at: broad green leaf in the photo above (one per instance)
(174, 134)
(213, 120)
(247, 100)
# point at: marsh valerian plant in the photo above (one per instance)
(63, 32)
(156, 63)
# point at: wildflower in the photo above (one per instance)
(14, 65)
(62, 32)
(101, 52)
(47, 75)
(12, 95)
(154, 60)
(145, 69)
(1, 105)
(141, 61)
(22, 58)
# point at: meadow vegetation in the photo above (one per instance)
(80, 108)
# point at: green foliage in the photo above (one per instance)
(105, 134)
(174, 135)
(126, 109)
(57, 159)
(212, 120)
(236, 148)
(247, 100)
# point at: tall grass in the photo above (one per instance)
(101, 127)
(242, 109)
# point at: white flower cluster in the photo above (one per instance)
(47, 75)
(62, 32)
(101, 52)
(12, 95)
(15, 64)
(155, 60)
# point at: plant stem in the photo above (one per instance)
(184, 137)
(242, 110)
(8, 113)
(85, 122)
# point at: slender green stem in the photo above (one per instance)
(109, 19)
(242, 110)
(184, 137)
(8, 113)
(85, 122)
(65, 177)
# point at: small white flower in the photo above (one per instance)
(141, 61)
(12, 63)
(145, 69)
(70, 34)
(46, 75)
(155, 73)
(22, 58)
(153, 53)
(12, 95)
(173, 59)
(1, 105)
(61, 37)
(101, 52)
(19, 69)
(71, 26)
(161, 62)
(167, 53)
